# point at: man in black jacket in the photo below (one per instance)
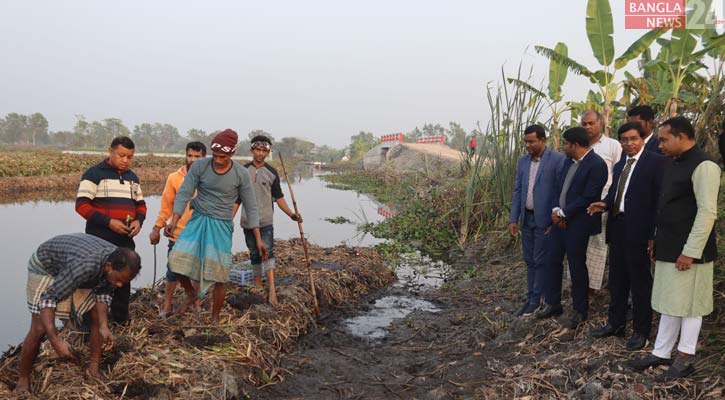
(632, 206)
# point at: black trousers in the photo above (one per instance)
(118, 312)
(574, 247)
(629, 269)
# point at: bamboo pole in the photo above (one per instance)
(304, 241)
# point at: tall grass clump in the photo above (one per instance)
(489, 174)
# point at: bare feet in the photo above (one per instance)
(273, 301)
(94, 372)
(186, 304)
(22, 387)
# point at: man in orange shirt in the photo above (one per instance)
(194, 151)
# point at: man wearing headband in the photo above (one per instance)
(265, 181)
(203, 250)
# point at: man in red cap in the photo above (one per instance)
(203, 250)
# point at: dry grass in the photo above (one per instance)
(182, 357)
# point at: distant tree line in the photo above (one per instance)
(32, 130)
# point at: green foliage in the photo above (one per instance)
(24, 129)
(600, 29)
(393, 252)
(422, 222)
(162, 137)
(338, 220)
(361, 143)
(557, 73)
(293, 147)
(385, 188)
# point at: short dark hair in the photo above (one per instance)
(680, 125)
(123, 258)
(261, 138)
(196, 146)
(644, 112)
(124, 141)
(632, 125)
(577, 135)
(538, 129)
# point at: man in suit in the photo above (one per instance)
(580, 184)
(685, 249)
(531, 205)
(632, 206)
(645, 116)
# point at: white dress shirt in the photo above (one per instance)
(629, 177)
(611, 151)
(558, 210)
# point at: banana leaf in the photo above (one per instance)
(638, 47)
(600, 29)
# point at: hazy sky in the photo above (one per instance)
(322, 70)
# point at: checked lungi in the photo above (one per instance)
(597, 256)
(71, 308)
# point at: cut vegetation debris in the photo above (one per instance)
(182, 357)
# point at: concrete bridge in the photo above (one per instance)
(410, 156)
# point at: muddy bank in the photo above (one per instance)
(472, 347)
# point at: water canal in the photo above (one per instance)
(29, 223)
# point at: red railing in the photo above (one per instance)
(432, 139)
(393, 137)
(386, 212)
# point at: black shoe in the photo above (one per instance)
(576, 320)
(650, 361)
(530, 309)
(608, 330)
(521, 310)
(681, 368)
(549, 311)
(636, 342)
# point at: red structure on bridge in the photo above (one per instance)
(391, 138)
(432, 139)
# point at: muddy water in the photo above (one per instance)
(417, 273)
(27, 224)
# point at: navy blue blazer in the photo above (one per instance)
(641, 197)
(544, 187)
(653, 145)
(585, 188)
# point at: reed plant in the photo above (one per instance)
(489, 173)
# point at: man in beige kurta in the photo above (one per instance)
(684, 249)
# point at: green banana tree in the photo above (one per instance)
(553, 97)
(600, 30)
(677, 63)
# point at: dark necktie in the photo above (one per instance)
(620, 185)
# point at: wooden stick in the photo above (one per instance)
(304, 241)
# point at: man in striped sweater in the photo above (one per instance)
(110, 199)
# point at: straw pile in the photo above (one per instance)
(182, 357)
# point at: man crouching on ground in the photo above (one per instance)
(68, 276)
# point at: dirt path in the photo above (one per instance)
(474, 348)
